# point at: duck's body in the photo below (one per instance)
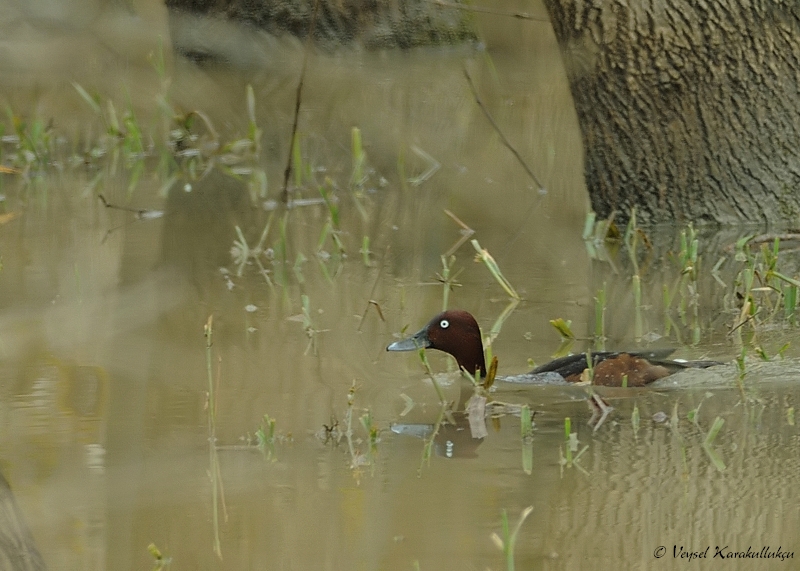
(456, 332)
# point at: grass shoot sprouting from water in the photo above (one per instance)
(431, 166)
(308, 324)
(265, 436)
(634, 235)
(600, 319)
(243, 254)
(359, 176)
(448, 280)
(564, 329)
(484, 256)
(159, 561)
(336, 431)
(689, 302)
(494, 333)
(568, 456)
(507, 543)
(217, 492)
(693, 414)
(526, 432)
(674, 424)
(465, 231)
(444, 412)
(709, 441)
(332, 204)
(34, 144)
(358, 458)
(365, 252)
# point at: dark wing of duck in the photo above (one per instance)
(575, 364)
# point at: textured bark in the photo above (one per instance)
(688, 109)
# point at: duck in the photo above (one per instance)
(456, 332)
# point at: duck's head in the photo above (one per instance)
(455, 332)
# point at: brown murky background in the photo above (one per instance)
(103, 416)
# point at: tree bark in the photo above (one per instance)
(689, 109)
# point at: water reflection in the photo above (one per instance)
(103, 371)
(18, 547)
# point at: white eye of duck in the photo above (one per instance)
(444, 324)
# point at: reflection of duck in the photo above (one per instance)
(451, 440)
(456, 332)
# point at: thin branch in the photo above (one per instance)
(372, 301)
(499, 132)
(140, 214)
(138, 211)
(298, 98)
(519, 15)
(466, 234)
(765, 239)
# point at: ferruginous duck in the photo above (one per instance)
(456, 332)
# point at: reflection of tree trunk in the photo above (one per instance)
(688, 110)
(374, 23)
(17, 549)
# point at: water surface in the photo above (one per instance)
(103, 358)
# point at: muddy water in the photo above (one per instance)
(103, 372)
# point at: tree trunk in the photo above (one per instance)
(689, 110)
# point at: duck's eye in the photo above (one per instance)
(444, 324)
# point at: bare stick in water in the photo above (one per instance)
(499, 132)
(518, 15)
(298, 98)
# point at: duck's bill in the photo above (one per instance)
(417, 341)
